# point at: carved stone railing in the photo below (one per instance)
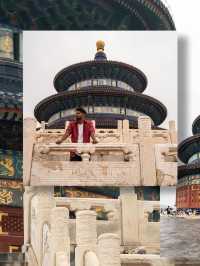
(110, 206)
(107, 136)
(109, 250)
(111, 222)
(103, 250)
(52, 229)
(123, 157)
(87, 151)
(91, 259)
(149, 231)
(102, 165)
(121, 134)
(49, 241)
(135, 225)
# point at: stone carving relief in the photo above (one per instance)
(45, 245)
(33, 228)
(106, 160)
(108, 136)
(170, 155)
(87, 173)
(166, 164)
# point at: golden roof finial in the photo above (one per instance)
(100, 45)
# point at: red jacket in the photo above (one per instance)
(88, 129)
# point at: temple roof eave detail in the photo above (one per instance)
(136, 101)
(105, 120)
(106, 15)
(188, 147)
(196, 126)
(100, 69)
(188, 169)
(17, 67)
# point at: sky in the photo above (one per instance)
(46, 52)
(186, 15)
(167, 196)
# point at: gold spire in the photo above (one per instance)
(100, 45)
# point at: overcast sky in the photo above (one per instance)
(167, 196)
(189, 43)
(188, 65)
(47, 52)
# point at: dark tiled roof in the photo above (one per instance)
(188, 169)
(86, 15)
(188, 147)
(196, 126)
(100, 69)
(101, 96)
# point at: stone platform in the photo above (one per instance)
(123, 157)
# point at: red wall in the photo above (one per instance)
(11, 229)
(188, 197)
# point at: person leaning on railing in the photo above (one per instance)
(80, 130)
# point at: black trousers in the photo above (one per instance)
(75, 157)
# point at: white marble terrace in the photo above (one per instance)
(123, 157)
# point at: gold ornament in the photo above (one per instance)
(6, 197)
(8, 167)
(7, 44)
(100, 45)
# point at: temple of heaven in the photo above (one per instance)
(11, 212)
(108, 90)
(86, 15)
(188, 188)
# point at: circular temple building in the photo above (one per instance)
(11, 212)
(86, 15)
(108, 90)
(59, 15)
(188, 188)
